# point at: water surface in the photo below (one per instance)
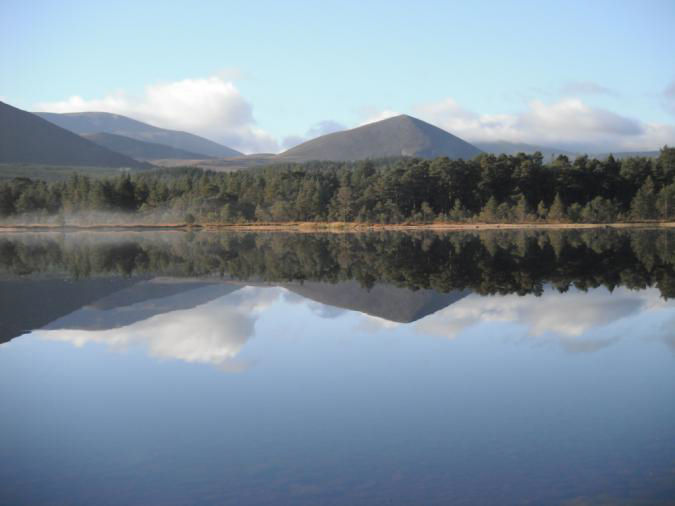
(492, 368)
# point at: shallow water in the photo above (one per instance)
(498, 368)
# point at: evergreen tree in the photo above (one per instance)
(489, 213)
(665, 202)
(557, 211)
(643, 205)
(521, 211)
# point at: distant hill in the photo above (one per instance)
(513, 148)
(628, 154)
(140, 150)
(97, 122)
(28, 139)
(224, 164)
(398, 136)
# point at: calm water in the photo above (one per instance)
(493, 368)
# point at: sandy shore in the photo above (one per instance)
(332, 226)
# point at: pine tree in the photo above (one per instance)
(521, 210)
(665, 203)
(489, 214)
(643, 205)
(557, 211)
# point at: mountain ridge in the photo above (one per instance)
(92, 122)
(28, 139)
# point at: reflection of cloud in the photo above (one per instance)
(212, 333)
(566, 317)
(668, 333)
(325, 311)
(319, 309)
(372, 324)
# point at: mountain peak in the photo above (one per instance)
(401, 135)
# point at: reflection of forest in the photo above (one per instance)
(484, 262)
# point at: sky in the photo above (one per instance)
(263, 76)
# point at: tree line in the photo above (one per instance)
(488, 262)
(517, 188)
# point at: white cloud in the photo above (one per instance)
(371, 115)
(568, 123)
(212, 107)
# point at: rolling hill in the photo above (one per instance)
(140, 150)
(398, 136)
(28, 139)
(103, 122)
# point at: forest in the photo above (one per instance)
(487, 262)
(487, 189)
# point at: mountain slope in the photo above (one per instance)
(96, 122)
(398, 136)
(140, 150)
(27, 138)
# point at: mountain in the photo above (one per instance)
(27, 138)
(513, 148)
(398, 136)
(97, 122)
(140, 150)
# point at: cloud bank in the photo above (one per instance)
(568, 123)
(211, 107)
(214, 108)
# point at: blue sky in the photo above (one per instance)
(263, 75)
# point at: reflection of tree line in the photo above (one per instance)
(485, 262)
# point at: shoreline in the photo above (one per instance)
(315, 227)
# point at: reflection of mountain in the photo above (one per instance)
(140, 302)
(101, 304)
(28, 304)
(382, 300)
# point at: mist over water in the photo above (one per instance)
(374, 368)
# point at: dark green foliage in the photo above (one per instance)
(643, 205)
(517, 188)
(599, 210)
